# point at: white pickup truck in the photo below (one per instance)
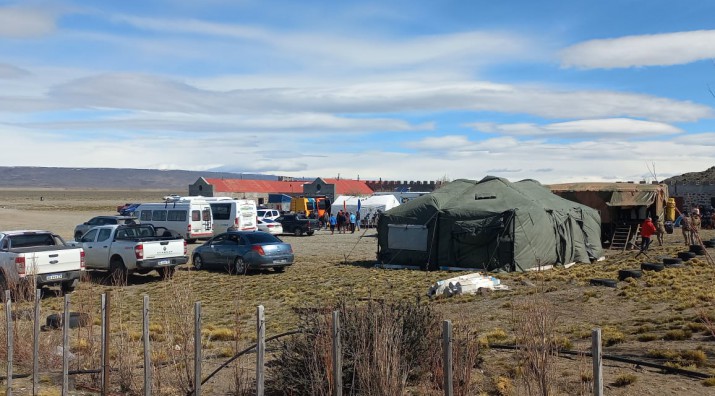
(38, 258)
(122, 249)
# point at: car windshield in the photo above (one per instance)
(260, 237)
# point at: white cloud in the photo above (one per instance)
(17, 22)
(8, 71)
(592, 129)
(645, 50)
(328, 48)
(150, 93)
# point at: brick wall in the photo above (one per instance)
(693, 194)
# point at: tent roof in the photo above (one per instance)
(632, 198)
(606, 187)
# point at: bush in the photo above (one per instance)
(624, 380)
(385, 347)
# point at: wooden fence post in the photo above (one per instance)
(260, 350)
(36, 344)
(197, 348)
(105, 344)
(447, 357)
(597, 355)
(337, 356)
(147, 347)
(10, 340)
(65, 346)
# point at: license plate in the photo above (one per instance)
(54, 276)
(283, 261)
(164, 262)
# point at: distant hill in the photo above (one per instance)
(704, 177)
(109, 178)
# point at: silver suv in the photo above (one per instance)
(270, 214)
(81, 229)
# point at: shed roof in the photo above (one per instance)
(257, 186)
(350, 187)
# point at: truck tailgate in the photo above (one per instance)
(160, 249)
(50, 261)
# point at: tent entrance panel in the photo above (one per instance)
(407, 237)
(482, 244)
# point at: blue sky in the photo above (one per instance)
(552, 90)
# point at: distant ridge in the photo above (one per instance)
(109, 178)
(704, 177)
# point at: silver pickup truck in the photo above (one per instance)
(38, 258)
(140, 248)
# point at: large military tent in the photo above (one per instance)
(492, 225)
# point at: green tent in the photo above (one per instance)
(492, 225)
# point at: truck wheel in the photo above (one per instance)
(297, 232)
(68, 287)
(166, 272)
(118, 272)
(240, 266)
(198, 262)
(310, 233)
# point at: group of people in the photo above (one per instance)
(343, 221)
(690, 224)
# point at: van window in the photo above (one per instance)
(145, 215)
(158, 215)
(206, 214)
(195, 215)
(221, 211)
(176, 215)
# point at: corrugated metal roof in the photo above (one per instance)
(342, 186)
(607, 187)
(350, 187)
(256, 186)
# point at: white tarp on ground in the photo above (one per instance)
(465, 284)
(368, 205)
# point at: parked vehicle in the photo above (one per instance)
(270, 214)
(230, 213)
(80, 229)
(191, 219)
(239, 251)
(141, 248)
(39, 258)
(270, 226)
(313, 207)
(298, 224)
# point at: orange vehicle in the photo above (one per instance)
(310, 205)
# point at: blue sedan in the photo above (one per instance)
(239, 251)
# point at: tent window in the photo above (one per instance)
(484, 196)
(407, 237)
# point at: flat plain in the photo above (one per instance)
(661, 317)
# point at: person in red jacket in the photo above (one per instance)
(647, 230)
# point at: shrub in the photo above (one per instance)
(624, 380)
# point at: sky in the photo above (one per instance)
(556, 91)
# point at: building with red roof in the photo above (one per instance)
(259, 190)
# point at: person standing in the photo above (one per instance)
(647, 230)
(685, 226)
(352, 222)
(333, 221)
(695, 222)
(659, 229)
(357, 220)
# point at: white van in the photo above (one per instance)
(236, 214)
(189, 218)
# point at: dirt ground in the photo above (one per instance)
(657, 318)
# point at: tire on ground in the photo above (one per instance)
(672, 260)
(685, 256)
(77, 319)
(657, 267)
(603, 282)
(629, 273)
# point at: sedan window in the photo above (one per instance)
(260, 237)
